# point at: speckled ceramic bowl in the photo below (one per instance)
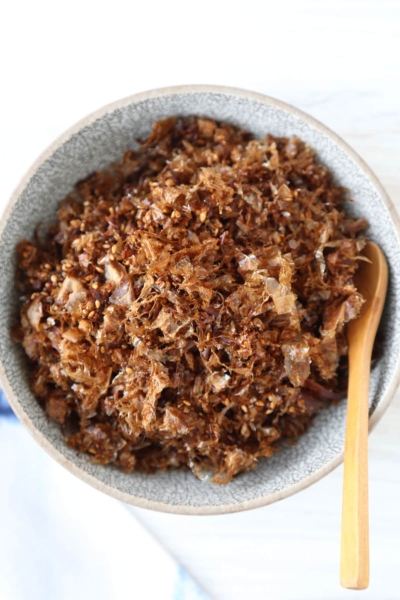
(100, 139)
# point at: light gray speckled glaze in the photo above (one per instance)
(93, 144)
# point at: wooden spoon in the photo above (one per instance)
(371, 280)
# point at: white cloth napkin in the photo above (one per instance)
(61, 540)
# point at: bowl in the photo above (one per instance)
(100, 139)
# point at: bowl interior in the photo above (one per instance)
(95, 143)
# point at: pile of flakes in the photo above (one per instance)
(188, 307)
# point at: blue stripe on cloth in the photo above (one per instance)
(5, 408)
(186, 588)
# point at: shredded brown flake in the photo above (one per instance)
(188, 307)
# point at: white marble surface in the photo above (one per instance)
(339, 61)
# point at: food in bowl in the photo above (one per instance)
(188, 307)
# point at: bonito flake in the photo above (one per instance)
(187, 309)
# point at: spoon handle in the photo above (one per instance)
(354, 562)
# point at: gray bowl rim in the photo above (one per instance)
(41, 438)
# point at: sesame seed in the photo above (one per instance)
(54, 278)
(47, 266)
(99, 269)
(129, 370)
(98, 303)
(91, 314)
(102, 350)
(259, 403)
(114, 249)
(106, 246)
(203, 215)
(244, 408)
(112, 257)
(186, 402)
(95, 285)
(124, 346)
(111, 210)
(208, 336)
